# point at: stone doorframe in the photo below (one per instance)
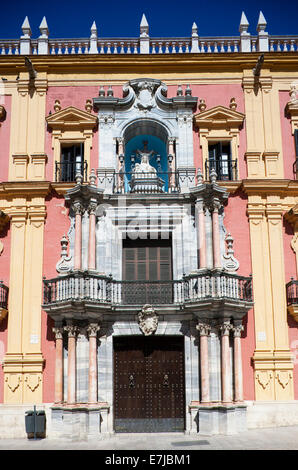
(165, 328)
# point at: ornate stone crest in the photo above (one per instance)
(145, 95)
(148, 320)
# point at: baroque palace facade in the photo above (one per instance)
(149, 227)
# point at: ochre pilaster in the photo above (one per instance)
(272, 359)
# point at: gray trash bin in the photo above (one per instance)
(35, 422)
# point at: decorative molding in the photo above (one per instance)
(64, 265)
(230, 263)
(264, 377)
(33, 381)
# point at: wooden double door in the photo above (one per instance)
(149, 385)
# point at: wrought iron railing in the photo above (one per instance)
(84, 286)
(292, 292)
(66, 171)
(3, 296)
(226, 170)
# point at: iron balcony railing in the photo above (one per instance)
(292, 292)
(226, 170)
(65, 172)
(3, 296)
(84, 286)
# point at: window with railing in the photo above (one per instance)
(220, 160)
(72, 162)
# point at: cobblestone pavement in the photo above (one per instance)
(282, 438)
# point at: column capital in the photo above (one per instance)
(92, 206)
(237, 329)
(203, 328)
(58, 331)
(72, 330)
(92, 329)
(225, 328)
(78, 207)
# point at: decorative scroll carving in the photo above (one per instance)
(32, 381)
(264, 378)
(230, 263)
(148, 320)
(92, 329)
(203, 328)
(64, 264)
(13, 381)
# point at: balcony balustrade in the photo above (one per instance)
(80, 286)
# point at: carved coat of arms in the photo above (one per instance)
(148, 320)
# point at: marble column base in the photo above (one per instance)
(78, 421)
(221, 419)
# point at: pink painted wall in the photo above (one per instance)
(57, 224)
(5, 137)
(288, 143)
(5, 239)
(236, 223)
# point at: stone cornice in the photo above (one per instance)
(281, 187)
(89, 62)
(25, 189)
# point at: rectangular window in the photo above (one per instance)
(72, 161)
(149, 264)
(221, 161)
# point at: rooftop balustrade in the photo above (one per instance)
(144, 44)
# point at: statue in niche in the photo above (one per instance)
(144, 166)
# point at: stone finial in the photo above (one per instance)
(26, 28)
(88, 106)
(179, 90)
(188, 91)
(144, 27)
(101, 91)
(93, 39)
(93, 30)
(194, 38)
(57, 106)
(262, 23)
(92, 178)
(194, 30)
(244, 24)
(110, 91)
(43, 28)
(213, 176)
(233, 104)
(199, 176)
(79, 177)
(293, 92)
(202, 105)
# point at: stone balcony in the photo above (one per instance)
(83, 295)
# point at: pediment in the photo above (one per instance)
(73, 118)
(219, 116)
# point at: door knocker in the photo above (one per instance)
(131, 381)
(166, 380)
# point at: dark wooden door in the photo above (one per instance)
(149, 384)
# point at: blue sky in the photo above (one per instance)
(166, 18)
